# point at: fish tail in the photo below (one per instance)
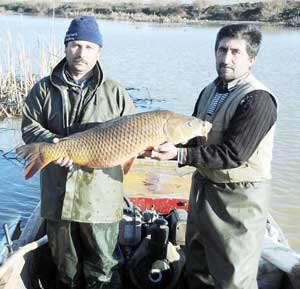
(34, 160)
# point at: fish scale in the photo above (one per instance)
(114, 142)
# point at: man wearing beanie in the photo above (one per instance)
(82, 206)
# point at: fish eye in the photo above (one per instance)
(189, 123)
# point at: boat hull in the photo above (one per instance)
(156, 189)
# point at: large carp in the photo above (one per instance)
(115, 142)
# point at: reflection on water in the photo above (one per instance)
(18, 198)
(143, 100)
(173, 64)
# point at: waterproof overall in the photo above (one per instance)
(228, 208)
(82, 206)
(225, 232)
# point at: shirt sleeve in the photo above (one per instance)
(254, 117)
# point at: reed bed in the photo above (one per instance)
(18, 72)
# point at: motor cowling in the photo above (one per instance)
(130, 228)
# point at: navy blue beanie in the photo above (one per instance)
(84, 28)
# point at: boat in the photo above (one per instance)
(12, 232)
(151, 239)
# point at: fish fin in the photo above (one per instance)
(128, 164)
(34, 161)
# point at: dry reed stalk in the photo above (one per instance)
(17, 75)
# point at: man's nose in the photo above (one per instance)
(227, 57)
(82, 52)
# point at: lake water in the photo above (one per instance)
(170, 65)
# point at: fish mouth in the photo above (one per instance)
(207, 128)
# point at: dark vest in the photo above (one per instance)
(258, 166)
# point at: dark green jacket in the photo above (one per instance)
(56, 107)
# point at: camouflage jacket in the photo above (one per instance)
(56, 107)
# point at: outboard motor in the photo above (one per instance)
(156, 263)
(158, 244)
(130, 228)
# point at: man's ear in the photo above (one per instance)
(252, 60)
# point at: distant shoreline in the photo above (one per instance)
(271, 13)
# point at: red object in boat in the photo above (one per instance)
(161, 206)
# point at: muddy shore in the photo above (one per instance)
(273, 12)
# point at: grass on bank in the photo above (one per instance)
(163, 11)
